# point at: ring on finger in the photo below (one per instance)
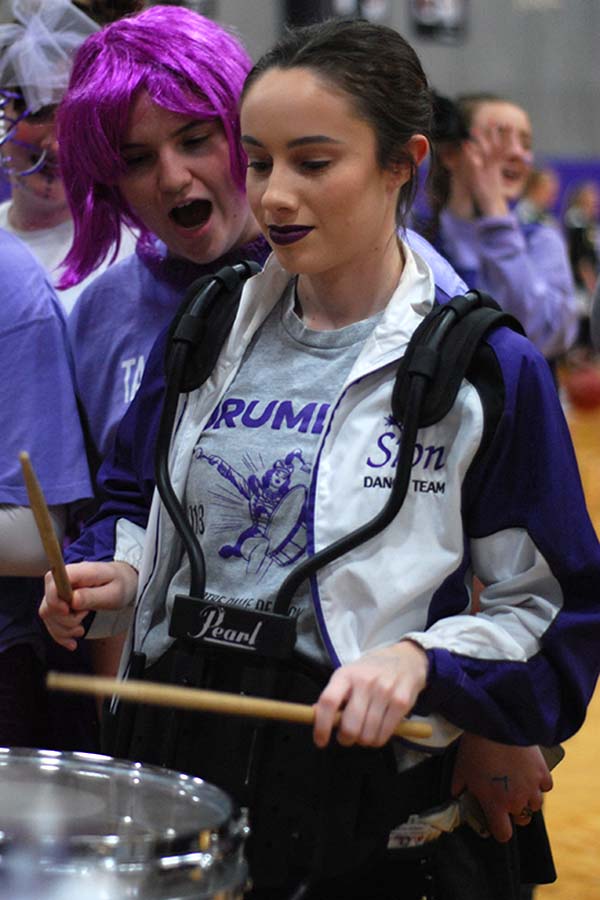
(526, 813)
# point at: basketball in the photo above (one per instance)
(583, 387)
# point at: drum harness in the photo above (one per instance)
(246, 758)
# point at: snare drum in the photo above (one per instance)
(88, 827)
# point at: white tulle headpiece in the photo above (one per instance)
(36, 52)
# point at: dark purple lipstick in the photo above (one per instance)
(288, 234)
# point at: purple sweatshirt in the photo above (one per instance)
(524, 267)
(38, 414)
(115, 322)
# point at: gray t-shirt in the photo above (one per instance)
(249, 480)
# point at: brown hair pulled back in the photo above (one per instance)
(377, 69)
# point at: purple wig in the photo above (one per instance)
(188, 65)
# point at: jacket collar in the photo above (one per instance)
(410, 302)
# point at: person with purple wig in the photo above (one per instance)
(149, 132)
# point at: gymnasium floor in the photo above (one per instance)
(573, 807)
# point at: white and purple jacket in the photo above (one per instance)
(494, 491)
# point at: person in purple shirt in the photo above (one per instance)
(149, 138)
(38, 414)
(484, 155)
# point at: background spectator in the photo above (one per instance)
(35, 59)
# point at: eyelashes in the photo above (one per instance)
(310, 165)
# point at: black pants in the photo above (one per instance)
(460, 866)
(23, 703)
(32, 716)
(324, 815)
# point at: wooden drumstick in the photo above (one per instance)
(50, 543)
(206, 701)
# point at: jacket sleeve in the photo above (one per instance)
(529, 275)
(522, 670)
(126, 477)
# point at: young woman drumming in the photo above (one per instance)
(335, 121)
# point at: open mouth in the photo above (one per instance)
(512, 174)
(192, 214)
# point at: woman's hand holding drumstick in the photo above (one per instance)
(370, 696)
(207, 701)
(366, 698)
(71, 592)
(57, 576)
(96, 586)
(41, 514)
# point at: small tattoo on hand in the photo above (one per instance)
(504, 779)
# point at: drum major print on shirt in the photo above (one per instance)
(261, 514)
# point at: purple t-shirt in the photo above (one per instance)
(38, 412)
(115, 322)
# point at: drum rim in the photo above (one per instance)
(210, 844)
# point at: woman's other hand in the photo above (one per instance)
(509, 782)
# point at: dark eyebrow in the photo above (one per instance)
(194, 123)
(297, 142)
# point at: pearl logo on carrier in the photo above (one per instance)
(215, 630)
(227, 628)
